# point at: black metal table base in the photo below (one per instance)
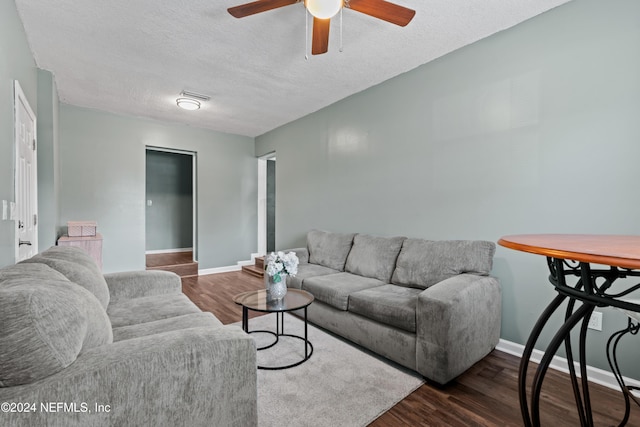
(308, 347)
(612, 346)
(591, 291)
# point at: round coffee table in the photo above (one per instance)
(295, 299)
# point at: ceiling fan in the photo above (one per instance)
(324, 10)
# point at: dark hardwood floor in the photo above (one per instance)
(485, 395)
(172, 258)
(181, 263)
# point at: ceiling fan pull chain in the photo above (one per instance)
(341, 45)
(306, 33)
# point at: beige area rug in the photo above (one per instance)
(340, 385)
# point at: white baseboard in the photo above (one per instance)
(229, 268)
(217, 270)
(168, 251)
(595, 375)
(250, 261)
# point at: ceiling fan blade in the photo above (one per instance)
(320, 43)
(384, 10)
(258, 6)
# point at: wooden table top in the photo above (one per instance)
(615, 250)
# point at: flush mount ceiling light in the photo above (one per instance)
(191, 100)
(188, 104)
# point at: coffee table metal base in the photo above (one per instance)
(308, 347)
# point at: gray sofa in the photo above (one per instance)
(430, 306)
(81, 349)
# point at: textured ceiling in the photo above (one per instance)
(135, 57)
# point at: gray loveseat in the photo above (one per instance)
(430, 306)
(126, 349)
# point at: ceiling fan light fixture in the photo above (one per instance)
(188, 104)
(324, 9)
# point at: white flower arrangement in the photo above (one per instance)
(281, 264)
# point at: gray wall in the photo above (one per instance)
(48, 172)
(16, 63)
(169, 188)
(102, 178)
(535, 129)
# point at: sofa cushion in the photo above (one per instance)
(308, 270)
(194, 320)
(374, 257)
(78, 267)
(32, 271)
(150, 309)
(423, 263)
(72, 253)
(388, 304)
(44, 325)
(334, 289)
(329, 249)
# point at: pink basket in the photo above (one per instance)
(81, 228)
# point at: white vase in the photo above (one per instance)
(275, 290)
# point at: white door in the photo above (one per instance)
(26, 170)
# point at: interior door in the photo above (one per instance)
(26, 210)
(170, 217)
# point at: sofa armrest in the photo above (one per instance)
(143, 283)
(457, 324)
(301, 253)
(192, 377)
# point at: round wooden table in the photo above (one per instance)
(572, 255)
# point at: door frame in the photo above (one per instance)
(194, 190)
(20, 98)
(262, 201)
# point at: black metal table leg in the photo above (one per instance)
(245, 319)
(306, 338)
(308, 347)
(588, 415)
(526, 355)
(615, 368)
(563, 334)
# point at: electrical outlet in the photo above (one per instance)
(595, 321)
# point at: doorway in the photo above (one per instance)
(170, 213)
(267, 203)
(26, 177)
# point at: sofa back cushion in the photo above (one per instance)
(31, 271)
(329, 249)
(77, 266)
(374, 257)
(44, 325)
(423, 263)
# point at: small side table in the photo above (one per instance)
(91, 244)
(295, 299)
